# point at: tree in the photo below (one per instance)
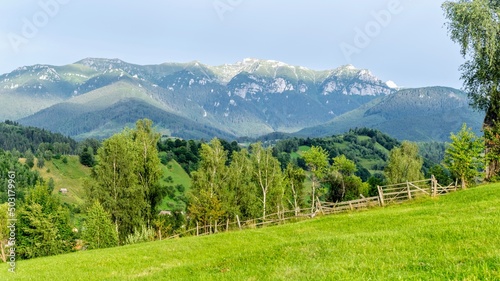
(208, 184)
(4, 230)
(126, 178)
(44, 225)
(86, 156)
(294, 187)
(267, 176)
(40, 163)
(98, 230)
(404, 164)
(245, 190)
(317, 161)
(464, 155)
(149, 166)
(343, 168)
(475, 26)
(30, 159)
(116, 185)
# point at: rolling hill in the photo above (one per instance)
(453, 237)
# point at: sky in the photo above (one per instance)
(405, 41)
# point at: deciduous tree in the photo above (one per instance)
(99, 231)
(267, 176)
(404, 164)
(464, 155)
(317, 161)
(475, 26)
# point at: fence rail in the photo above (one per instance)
(387, 194)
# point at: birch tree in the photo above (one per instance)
(266, 174)
(317, 160)
(475, 26)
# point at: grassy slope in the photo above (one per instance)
(453, 237)
(179, 176)
(70, 175)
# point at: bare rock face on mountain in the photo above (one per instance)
(97, 97)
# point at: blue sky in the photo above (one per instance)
(400, 40)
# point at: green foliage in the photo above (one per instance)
(43, 225)
(40, 163)
(475, 27)
(209, 184)
(317, 161)
(240, 180)
(86, 157)
(148, 167)
(268, 177)
(144, 234)
(404, 164)
(14, 136)
(4, 230)
(343, 184)
(98, 229)
(441, 174)
(464, 155)
(26, 179)
(126, 178)
(294, 187)
(492, 147)
(186, 153)
(30, 159)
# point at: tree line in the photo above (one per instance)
(228, 181)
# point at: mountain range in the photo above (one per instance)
(98, 97)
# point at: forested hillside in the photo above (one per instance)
(22, 138)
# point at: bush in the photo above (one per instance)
(145, 234)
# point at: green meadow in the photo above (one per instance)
(452, 237)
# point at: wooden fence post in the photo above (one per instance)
(433, 186)
(197, 229)
(381, 196)
(319, 205)
(238, 219)
(408, 188)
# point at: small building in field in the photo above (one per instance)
(165, 213)
(63, 190)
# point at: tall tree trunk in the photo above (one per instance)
(491, 128)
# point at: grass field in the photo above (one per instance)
(68, 175)
(453, 237)
(179, 176)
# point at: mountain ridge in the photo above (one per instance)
(252, 97)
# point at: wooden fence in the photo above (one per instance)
(388, 194)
